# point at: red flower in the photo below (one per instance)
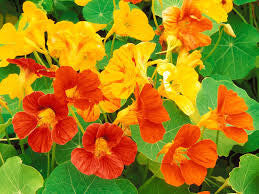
(186, 160)
(44, 120)
(105, 151)
(29, 65)
(80, 89)
(150, 114)
(133, 1)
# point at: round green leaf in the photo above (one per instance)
(16, 177)
(244, 179)
(178, 119)
(67, 179)
(233, 57)
(7, 151)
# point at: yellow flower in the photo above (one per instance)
(127, 67)
(76, 45)
(180, 83)
(82, 2)
(133, 23)
(216, 9)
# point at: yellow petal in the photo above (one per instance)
(82, 2)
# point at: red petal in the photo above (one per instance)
(64, 130)
(24, 124)
(151, 132)
(193, 173)
(237, 134)
(40, 140)
(204, 153)
(50, 101)
(111, 133)
(84, 161)
(126, 150)
(242, 120)
(187, 135)
(110, 167)
(89, 137)
(30, 103)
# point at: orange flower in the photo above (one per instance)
(186, 160)
(105, 151)
(186, 24)
(230, 116)
(133, 1)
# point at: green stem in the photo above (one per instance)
(112, 46)
(202, 132)
(217, 138)
(104, 115)
(7, 136)
(53, 156)
(77, 121)
(48, 164)
(146, 183)
(22, 146)
(38, 59)
(1, 157)
(222, 186)
(251, 18)
(216, 45)
(154, 16)
(240, 15)
(15, 138)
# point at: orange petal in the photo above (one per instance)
(237, 134)
(30, 103)
(242, 120)
(193, 173)
(89, 137)
(204, 153)
(90, 114)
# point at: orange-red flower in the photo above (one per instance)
(105, 151)
(186, 24)
(44, 120)
(230, 116)
(186, 160)
(133, 1)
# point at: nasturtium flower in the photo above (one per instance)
(82, 2)
(76, 45)
(127, 67)
(147, 111)
(181, 82)
(105, 151)
(29, 35)
(230, 116)
(186, 159)
(186, 24)
(216, 9)
(133, 1)
(133, 23)
(45, 120)
(19, 85)
(82, 90)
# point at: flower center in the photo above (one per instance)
(47, 117)
(101, 147)
(180, 155)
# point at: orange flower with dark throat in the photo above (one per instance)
(186, 160)
(105, 151)
(230, 116)
(186, 24)
(45, 120)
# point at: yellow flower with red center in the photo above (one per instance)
(76, 45)
(133, 23)
(127, 67)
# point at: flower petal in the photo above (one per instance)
(64, 130)
(89, 137)
(84, 161)
(204, 153)
(30, 103)
(242, 120)
(237, 134)
(40, 140)
(24, 124)
(126, 150)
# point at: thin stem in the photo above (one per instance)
(251, 18)
(202, 132)
(112, 46)
(48, 164)
(154, 16)
(147, 182)
(22, 146)
(11, 139)
(217, 138)
(222, 186)
(104, 115)
(48, 57)
(240, 15)
(77, 121)
(1, 157)
(154, 73)
(38, 59)
(215, 46)
(114, 4)
(53, 156)
(7, 136)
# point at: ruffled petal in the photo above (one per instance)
(30, 103)
(237, 134)
(24, 124)
(40, 140)
(64, 130)
(242, 120)
(89, 137)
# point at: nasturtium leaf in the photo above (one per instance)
(233, 57)
(98, 11)
(67, 179)
(16, 177)
(156, 185)
(207, 98)
(244, 179)
(3, 126)
(5, 71)
(241, 2)
(7, 151)
(178, 119)
(42, 83)
(251, 145)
